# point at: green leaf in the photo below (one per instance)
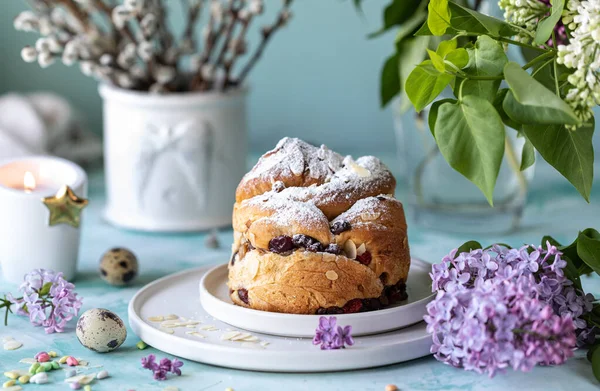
(396, 13)
(588, 248)
(486, 58)
(438, 19)
(468, 247)
(424, 84)
(459, 57)
(528, 155)
(470, 21)
(529, 102)
(45, 289)
(546, 26)
(390, 80)
(498, 101)
(571, 152)
(446, 47)
(470, 135)
(437, 61)
(596, 364)
(411, 52)
(433, 113)
(591, 351)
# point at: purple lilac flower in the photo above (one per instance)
(516, 309)
(160, 370)
(48, 299)
(331, 337)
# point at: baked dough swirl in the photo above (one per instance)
(316, 232)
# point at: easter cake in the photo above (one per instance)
(317, 233)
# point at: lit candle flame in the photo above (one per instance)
(28, 182)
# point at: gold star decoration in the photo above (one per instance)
(65, 207)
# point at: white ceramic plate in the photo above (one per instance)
(177, 294)
(214, 295)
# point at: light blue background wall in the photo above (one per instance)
(318, 79)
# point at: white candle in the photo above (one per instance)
(27, 241)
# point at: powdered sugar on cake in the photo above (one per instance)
(293, 156)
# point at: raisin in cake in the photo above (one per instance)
(317, 233)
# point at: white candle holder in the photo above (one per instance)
(27, 241)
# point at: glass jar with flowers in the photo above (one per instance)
(484, 115)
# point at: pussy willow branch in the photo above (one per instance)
(74, 9)
(198, 81)
(194, 14)
(240, 39)
(267, 34)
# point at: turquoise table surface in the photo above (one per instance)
(553, 208)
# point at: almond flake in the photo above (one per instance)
(241, 336)
(168, 331)
(190, 326)
(229, 335)
(361, 249)
(350, 249)
(370, 216)
(12, 345)
(171, 317)
(405, 242)
(156, 318)
(359, 170)
(331, 275)
(28, 361)
(251, 338)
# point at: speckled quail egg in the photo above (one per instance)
(118, 266)
(100, 330)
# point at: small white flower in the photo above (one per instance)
(29, 54)
(244, 14)
(106, 59)
(256, 7)
(45, 26)
(157, 88)
(164, 74)
(134, 5)
(72, 48)
(149, 24)
(45, 59)
(195, 62)
(68, 59)
(87, 68)
(121, 15)
(58, 17)
(145, 50)
(26, 21)
(124, 80)
(138, 71)
(126, 59)
(208, 71)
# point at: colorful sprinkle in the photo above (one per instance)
(70, 373)
(75, 386)
(42, 357)
(9, 383)
(87, 388)
(63, 359)
(11, 375)
(72, 361)
(52, 354)
(33, 368)
(40, 378)
(47, 366)
(141, 345)
(102, 375)
(24, 379)
(12, 345)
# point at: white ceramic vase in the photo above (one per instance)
(172, 162)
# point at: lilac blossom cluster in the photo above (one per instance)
(330, 336)
(162, 368)
(48, 300)
(501, 307)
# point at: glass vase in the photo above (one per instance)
(440, 198)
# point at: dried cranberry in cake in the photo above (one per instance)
(281, 244)
(243, 295)
(364, 258)
(353, 306)
(340, 226)
(233, 258)
(333, 249)
(307, 242)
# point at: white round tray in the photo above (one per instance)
(177, 294)
(214, 295)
